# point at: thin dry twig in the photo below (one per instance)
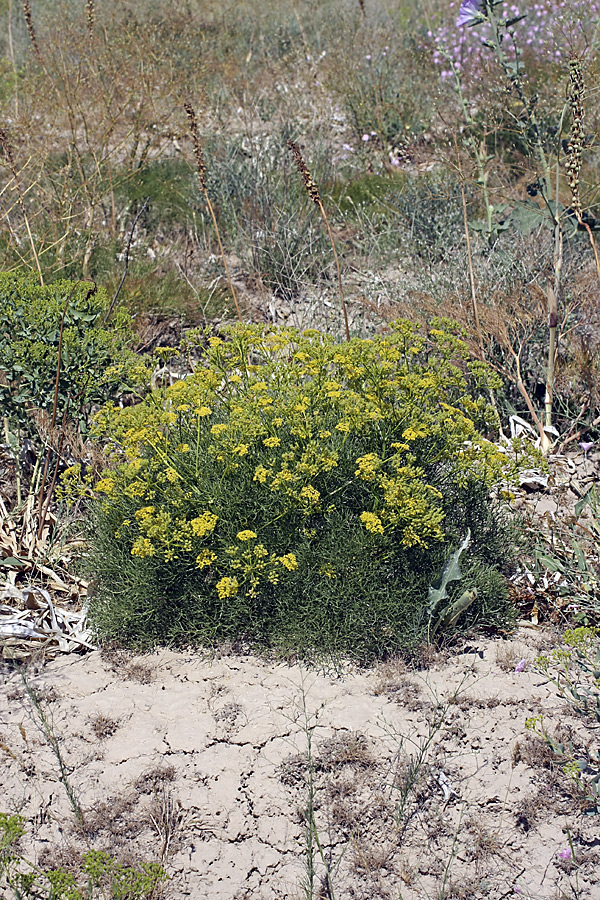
(7, 151)
(126, 269)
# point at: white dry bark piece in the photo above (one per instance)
(36, 622)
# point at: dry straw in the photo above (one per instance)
(6, 150)
(313, 192)
(201, 166)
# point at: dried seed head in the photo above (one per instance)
(90, 11)
(31, 29)
(311, 188)
(576, 142)
(361, 3)
(193, 124)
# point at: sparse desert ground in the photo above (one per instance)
(425, 782)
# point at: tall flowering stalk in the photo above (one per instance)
(576, 91)
(501, 38)
(313, 192)
(201, 166)
(475, 12)
(31, 29)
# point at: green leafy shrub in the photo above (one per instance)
(299, 493)
(103, 876)
(35, 321)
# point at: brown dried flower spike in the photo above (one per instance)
(313, 192)
(311, 188)
(31, 28)
(201, 166)
(575, 147)
(193, 123)
(90, 15)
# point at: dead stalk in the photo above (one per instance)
(126, 269)
(201, 166)
(11, 52)
(313, 192)
(544, 440)
(31, 29)
(553, 326)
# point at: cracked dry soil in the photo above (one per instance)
(426, 782)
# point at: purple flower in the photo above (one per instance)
(565, 853)
(520, 666)
(366, 137)
(468, 12)
(586, 445)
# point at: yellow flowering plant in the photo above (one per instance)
(300, 492)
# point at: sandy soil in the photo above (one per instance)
(426, 783)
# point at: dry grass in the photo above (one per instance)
(103, 726)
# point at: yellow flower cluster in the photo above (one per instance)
(204, 524)
(372, 522)
(289, 562)
(142, 547)
(227, 587)
(368, 466)
(205, 558)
